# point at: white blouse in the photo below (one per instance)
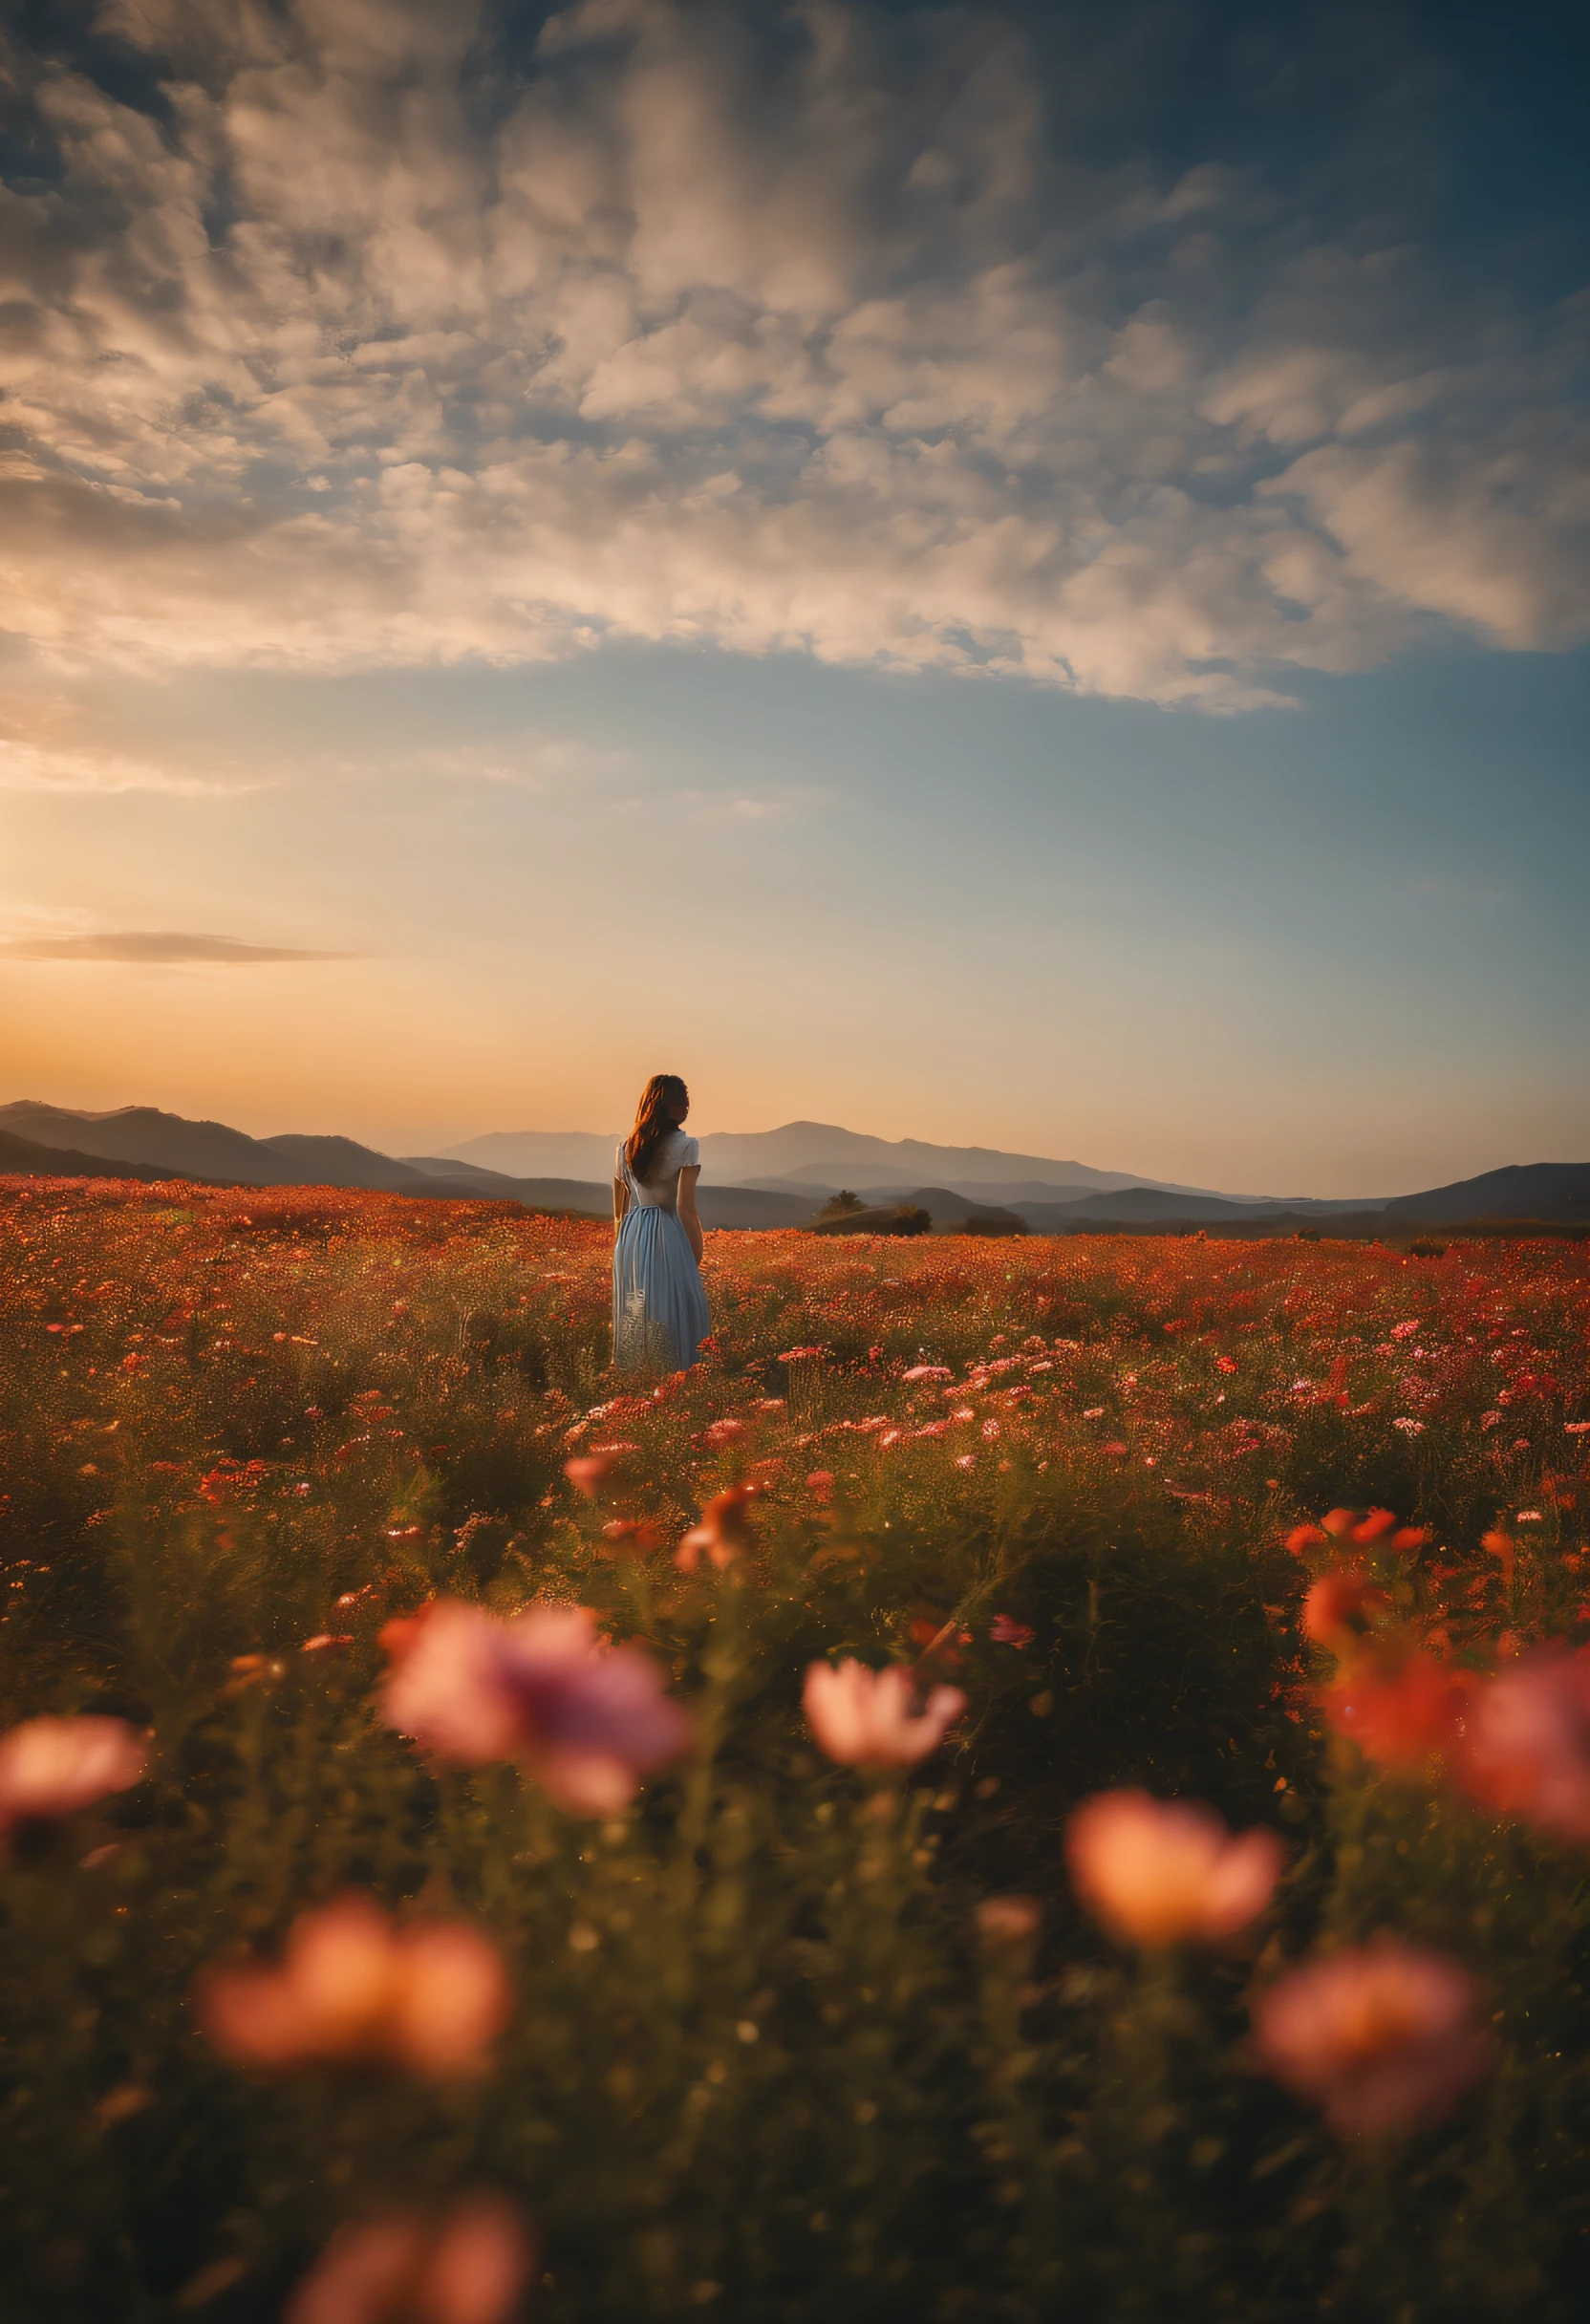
(659, 1189)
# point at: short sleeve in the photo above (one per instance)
(618, 1160)
(689, 1155)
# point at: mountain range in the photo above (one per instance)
(790, 1172)
(801, 1155)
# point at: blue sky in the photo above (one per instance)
(1014, 575)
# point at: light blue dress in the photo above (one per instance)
(659, 1302)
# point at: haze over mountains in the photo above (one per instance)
(801, 1153)
(783, 1176)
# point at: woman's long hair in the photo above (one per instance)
(662, 1097)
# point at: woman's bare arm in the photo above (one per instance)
(688, 1218)
(620, 1202)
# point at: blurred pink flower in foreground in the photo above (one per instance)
(431, 1996)
(1159, 1871)
(1527, 1748)
(1382, 2039)
(470, 2266)
(864, 1718)
(584, 1718)
(50, 1768)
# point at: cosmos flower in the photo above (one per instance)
(1382, 2039)
(51, 1768)
(430, 1996)
(468, 2266)
(723, 1533)
(1005, 1923)
(865, 1718)
(1158, 1872)
(1399, 1705)
(1526, 1748)
(584, 1719)
(1007, 1632)
(1339, 1608)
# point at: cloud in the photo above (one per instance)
(149, 946)
(783, 328)
(27, 766)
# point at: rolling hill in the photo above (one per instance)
(786, 1182)
(818, 1154)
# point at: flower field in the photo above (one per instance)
(1044, 1778)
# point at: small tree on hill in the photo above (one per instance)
(843, 1205)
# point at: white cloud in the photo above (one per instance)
(144, 947)
(30, 767)
(813, 347)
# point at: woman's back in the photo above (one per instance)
(659, 1189)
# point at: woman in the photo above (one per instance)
(659, 1307)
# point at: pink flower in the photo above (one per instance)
(588, 1472)
(430, 1996)
(720, 1433)
(1008, 1921)
(1527, 1748)
(864, 1718)
(723, 1531)
(470, 2266)
(1382, 2038)
(928, 1371)
(583, 1718)
(1159, 1871)
(50, 1768)
(1004, 1632)
(819, 1484)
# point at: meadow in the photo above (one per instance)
(1043, 1779)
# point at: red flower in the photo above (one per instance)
(588, 1472)
(1339, 1608)
(723, 1533)
(1004, 1632)
(1397, 1706)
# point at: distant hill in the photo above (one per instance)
(22, 1159)
(174, 1147)
(1139, 1203)
(821, 1153)
(143, 1142)
(140, 1141)
(949, 1210)
(1556, 1190)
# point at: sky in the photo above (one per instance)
(1006, 575)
